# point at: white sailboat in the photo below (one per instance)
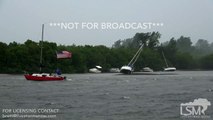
(167, 67)
(128, 69)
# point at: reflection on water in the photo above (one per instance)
(110, 96)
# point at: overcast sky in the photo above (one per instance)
(21, 19)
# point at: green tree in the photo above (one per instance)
(184, 44)
(202, 47)
(184, 61)
(3, 57)
(206, 62)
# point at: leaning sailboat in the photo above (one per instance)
(43, 76)
(167, 67)
(128, 69)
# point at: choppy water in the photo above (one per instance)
(109, 96)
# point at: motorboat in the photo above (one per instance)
(97, 69)
(94, 70)
(114, 70)
(147, 69)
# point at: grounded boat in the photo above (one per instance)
(43, 76)
(167, 67)
(128, 69)
(94, 70)
(147, 69)
(114, 70)
(170, 69)
(97, 69)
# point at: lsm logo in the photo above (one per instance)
(195, 109)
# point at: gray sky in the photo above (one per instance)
(21, 19)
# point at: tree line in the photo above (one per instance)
(180, 53)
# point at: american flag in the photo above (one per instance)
(63, 54)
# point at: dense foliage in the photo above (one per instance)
(18, 58)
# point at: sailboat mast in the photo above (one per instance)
(42, 38)
(134, 59)
(165, 59)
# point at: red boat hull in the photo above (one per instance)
(43, 78)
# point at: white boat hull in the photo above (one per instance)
(126, 70)
(114, 70)
(170, 69)
(94, 70)
(147, 69)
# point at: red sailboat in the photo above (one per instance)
(46, 76)
(43, 77)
